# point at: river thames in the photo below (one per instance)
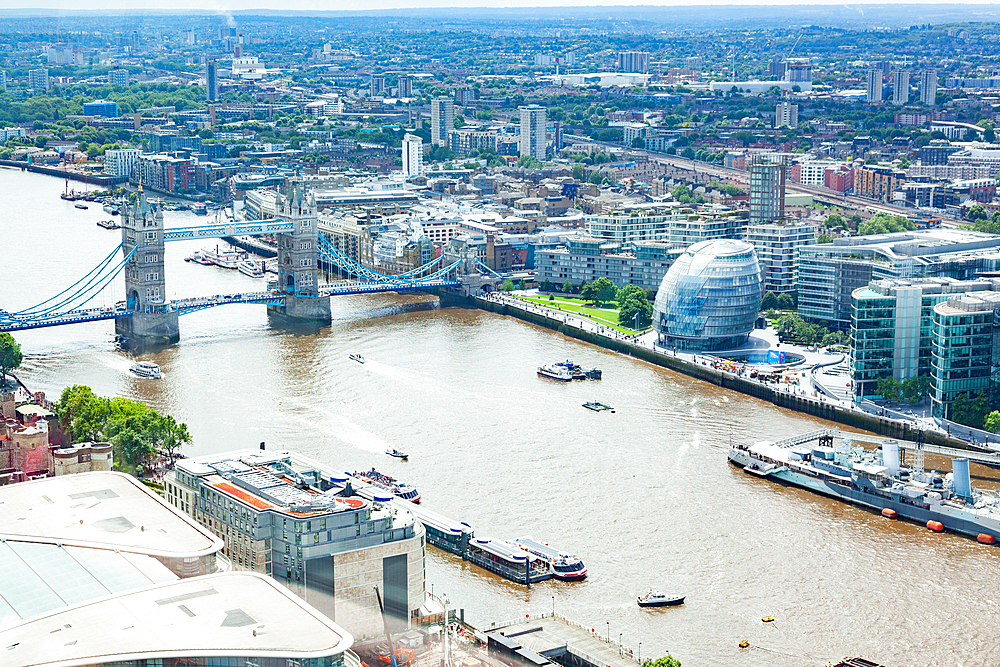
(644, 496)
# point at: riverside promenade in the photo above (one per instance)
(811, 399)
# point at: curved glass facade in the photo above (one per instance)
(710, 297)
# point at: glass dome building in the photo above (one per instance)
(710, 297)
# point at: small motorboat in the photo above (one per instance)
(656, 599)
(396, 454)
(81, 206)
(598, 407)
(358, 358)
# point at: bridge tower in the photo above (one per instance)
(152, 319)
(298, 262)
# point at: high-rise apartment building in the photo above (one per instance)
(798, 70)
(635, 62)
(928, 87)
(38, 80)
(874, 86)
(413, 155)
(767, 189)
(786, 113)
(777, 246)
(3, 80)
(119, 162)
(404, 86)
(532, 141)
(118, 77)
(377, 87)
(442, 120)
(900, 87)
(211, 80)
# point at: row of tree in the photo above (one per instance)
(793, 328)
(138, 432)
(912, 389)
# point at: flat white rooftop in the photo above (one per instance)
(104, 510)
(232, 614)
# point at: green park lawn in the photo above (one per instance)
(606, 316)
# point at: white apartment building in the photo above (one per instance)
(532, 141)
(413, 156)
(786, 113)
(928, 87)
(119, 162)
(813, 173)
(777, 246)
(900, 87)
(442, 120)
(874, 86)
(38, 79)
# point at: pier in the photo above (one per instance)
(561, 641)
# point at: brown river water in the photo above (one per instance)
(645, 496)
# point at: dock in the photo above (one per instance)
(559, 640)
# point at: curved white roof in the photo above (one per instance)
(232, 614)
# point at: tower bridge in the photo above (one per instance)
(146, 316)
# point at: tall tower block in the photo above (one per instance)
(152, 321)
(298, 263)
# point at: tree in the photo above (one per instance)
(665, 661)
(635, 312)
(977, 212)
(824, 238)
(522, 285)
(970, 411)
(598, 292)
(579, 173)
(785, 302)
(835, 220)
(10, 355)
(769, 302)
(546, 285)
(623, 293)
(883, 223)
(567, 287)
(992, 423)
(507, 285)
(889, 388)
(916, 387)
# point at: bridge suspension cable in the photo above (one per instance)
(87, 293)
(335, 256)
(96, 270)
(480, 265)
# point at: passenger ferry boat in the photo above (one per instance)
(146, 369)
(560, 373)
(252, 268)
(227, 259)
(199, 209)
(828, 462)
(108, 224)
(562, 565)
(508, 560)
(386, 483)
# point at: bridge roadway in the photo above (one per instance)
(11, 322)
(254, 228)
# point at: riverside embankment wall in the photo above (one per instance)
(821, 409)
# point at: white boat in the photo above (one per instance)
(553, 372)
(146, 369)
(227, 259)
(251, 268)
(357, 357)
(657, 599)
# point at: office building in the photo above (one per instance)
(101, 108)
(786, 114)
(928, 87)
(643, 263)
(965, 348)
(710, 297)
(404, 87)
(413, 156)
(900, 87)
(442, 120)
(777, 246)
(287, 516)
(633, 62)
(532, 140)
(118, 77)
(38, 80)
(830, 272)
(767, 188)
(874, 89)
(120, 161)
(212, 80)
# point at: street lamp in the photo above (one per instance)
(553, 606)
(639, 653)
(609, 631)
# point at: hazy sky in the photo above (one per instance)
(327, 5)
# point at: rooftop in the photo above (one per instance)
(106, 510)
(238, 613)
